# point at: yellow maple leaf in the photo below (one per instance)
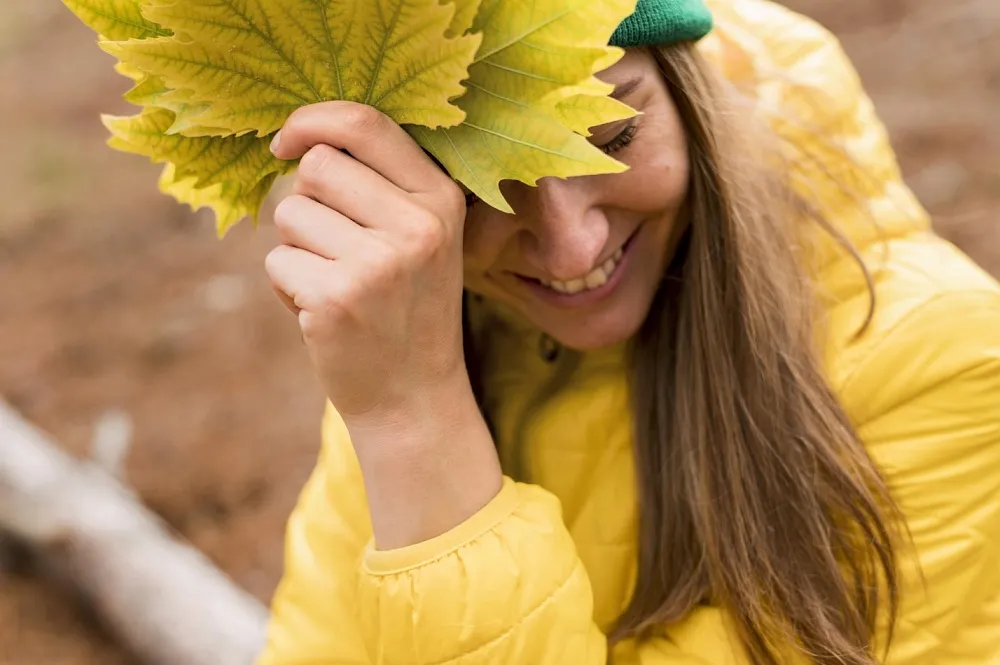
(230, 201)
(232, 175)
(465, 16)
(244, 159)
(253, 62)
(116, 19)
(533, 95)
(203, 183)
(495, 89)
(586, 105)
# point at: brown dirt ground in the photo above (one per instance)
(113, 297)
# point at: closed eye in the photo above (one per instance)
(621, 140)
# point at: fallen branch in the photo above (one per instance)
(163, 599)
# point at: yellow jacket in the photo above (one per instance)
(538, 574)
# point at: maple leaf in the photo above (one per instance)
(495, 89)
(587, 105)
(230, 174)
(230, 201)
(246, 159)
(251, 63)
(518, 126)
(116, 19)
(465, 16)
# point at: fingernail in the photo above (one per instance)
(275, 142)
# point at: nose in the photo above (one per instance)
(562, 232)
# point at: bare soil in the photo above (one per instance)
(112, 297)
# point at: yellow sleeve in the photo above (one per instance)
(504, 587)
(928, 399)
(315, 608)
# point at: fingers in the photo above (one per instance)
(346, 185)
(310, 225)
(286, 300)
(303, 277)
(368, 135)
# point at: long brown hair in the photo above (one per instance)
(756, 493)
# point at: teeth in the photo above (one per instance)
(596, 278)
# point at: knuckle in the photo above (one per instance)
(364, 119)
(287, 212)
(336, 305)
(273, 261)
(312, 326)
(384, 263)
(427, 236)
(453, 202)
(314, 165)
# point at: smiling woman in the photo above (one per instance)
(582, 258)
(734, 405)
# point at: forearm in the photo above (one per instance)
(428, 466)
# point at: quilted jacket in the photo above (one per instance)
(542, 572)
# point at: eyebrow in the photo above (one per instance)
(626, 88)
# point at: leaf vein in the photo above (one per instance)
(530, 31)
(149, 29)
(334, 51)
(270, 41)
(520, 72)
(389, 29)
(526, 144)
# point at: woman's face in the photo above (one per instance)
(582, 258)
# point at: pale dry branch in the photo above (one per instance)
(162, 598)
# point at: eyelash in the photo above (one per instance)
(622, 140)
(619, 142)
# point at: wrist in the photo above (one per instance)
(419, 416)
(429, 463)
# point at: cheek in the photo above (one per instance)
(658, 179)
(486, 234)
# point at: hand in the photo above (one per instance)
(372, 266)
(372, 259)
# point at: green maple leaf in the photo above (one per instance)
(253, 62)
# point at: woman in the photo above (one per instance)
(735, 405)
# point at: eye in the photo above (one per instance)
(623, 139)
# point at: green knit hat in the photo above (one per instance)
(664, 22)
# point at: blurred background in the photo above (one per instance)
(116, 303)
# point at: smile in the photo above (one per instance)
(596, 278)
(588, 290)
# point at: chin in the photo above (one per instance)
(596, 331)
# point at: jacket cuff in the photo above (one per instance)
(392, 562)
